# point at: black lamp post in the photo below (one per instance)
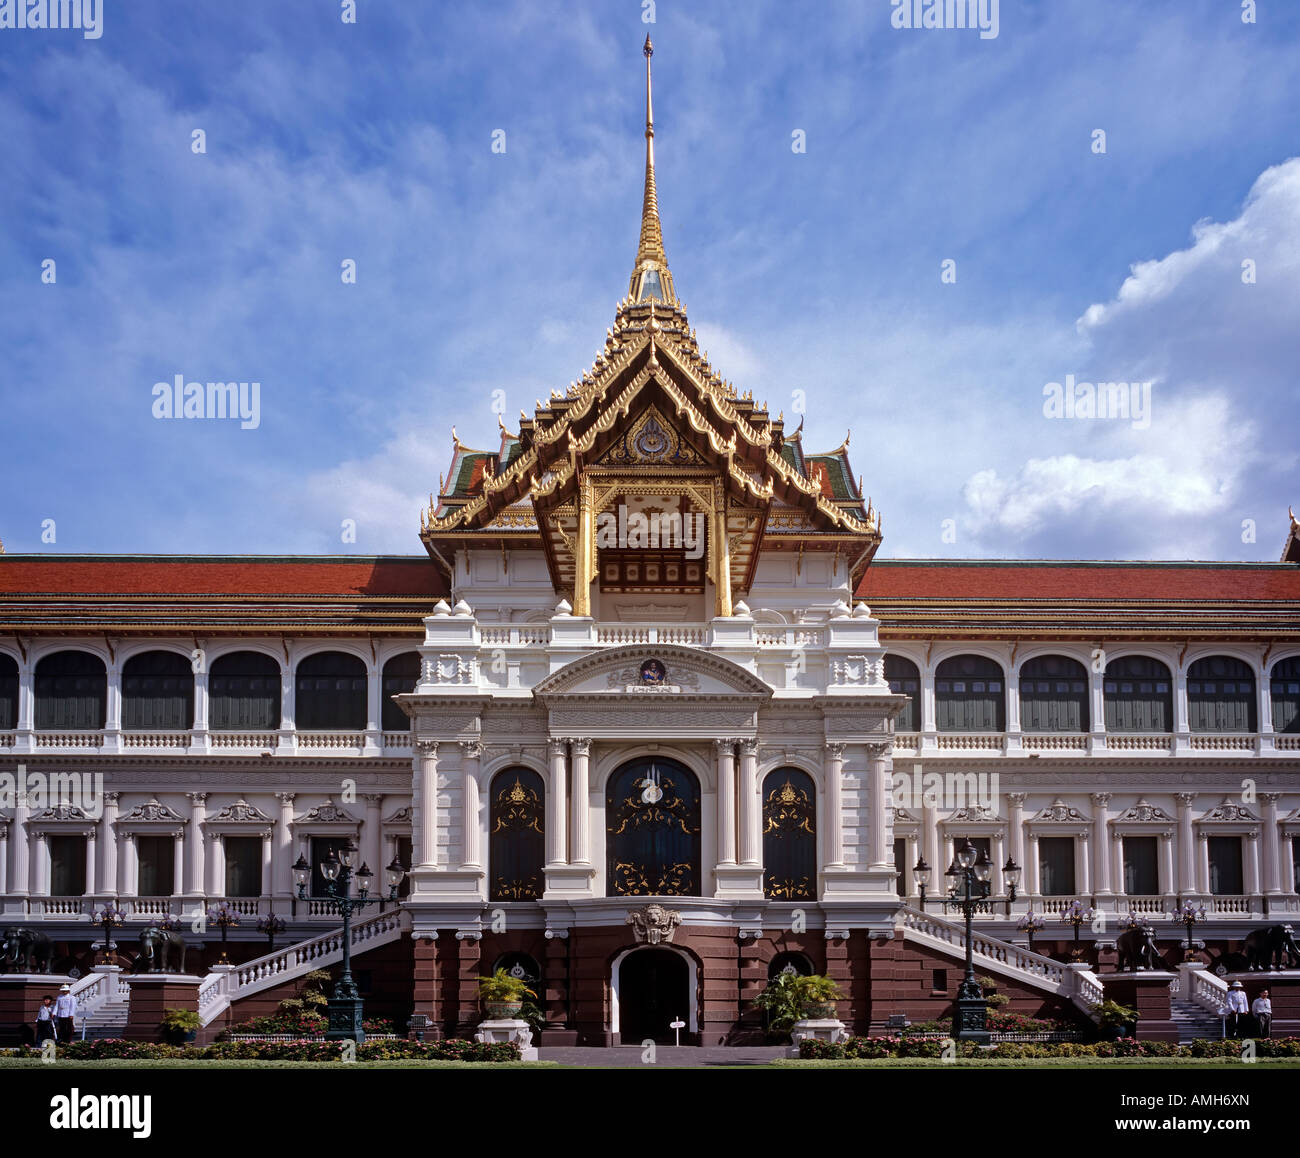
(1011, 873)
(1190, 914)
(971, 871)
(345, 1006)
(271, 925)
(921, 872)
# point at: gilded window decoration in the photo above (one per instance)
(653, 830)
(517, 840)
(789, 835)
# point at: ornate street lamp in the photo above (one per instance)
(271, 925)
(921, 872)
(1191, 914)
(1011, 874)
(223, 916)
(971, 871)
(1077, 916)
(109, 918)
(1029, 924)
(345, 1006)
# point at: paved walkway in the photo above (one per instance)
(669, 1056)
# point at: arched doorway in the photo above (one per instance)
(652, 816)
(652, 988)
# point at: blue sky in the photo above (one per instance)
(816, 271)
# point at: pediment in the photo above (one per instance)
(650, 672)
(651, 439)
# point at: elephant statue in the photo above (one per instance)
(26, 951)
(1138, 949)
(1273, 947)
(163, 950)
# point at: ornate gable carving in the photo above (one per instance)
(651, 440)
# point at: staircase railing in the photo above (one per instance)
(1202, 988)
(1081, 986)
(228, 984)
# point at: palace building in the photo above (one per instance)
(649, 722)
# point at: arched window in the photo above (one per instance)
(400, 676)
(969, 695)
(157, 691)
(1053, 695)
(652, 817)
(244, 692)
(1139, 695)
(71, 690)
(904, 679)
(330, 692)
(8, 692)
(1284, 688)
(1220, 695)
(789, 835)
(789, 962)
(517, 836)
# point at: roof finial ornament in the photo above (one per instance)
(651, 279)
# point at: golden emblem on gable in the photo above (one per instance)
(651, 440)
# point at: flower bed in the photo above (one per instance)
(117, 1049)
(926, 1047)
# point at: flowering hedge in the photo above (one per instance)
(302, 1023)
(117, 1049)
(883, 1047)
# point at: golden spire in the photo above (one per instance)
(650, 278)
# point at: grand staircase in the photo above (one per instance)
(1194, 1021)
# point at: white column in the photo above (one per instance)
(580, 818)
(283, 886)
(879, 772)
(39, 871)
(1203, 863)
(1033, 876)
(557, 843)
(108, 845)
(725, 753)
(91, 858)
(933, 849)
(1272, 845)
(1101, 849)
(201, 700)
(288, 704)
(113, 709)
(1251, 858)
(1016, 840)
(370, 851)
(216, 867)
(178, 862)
(1186, 882)
(1116, 845)
(833, 767)
(425, 830)
(471, 760)
(19, 850)
(1082, 865)
(194, 882)
(268, 849)
(6, 835)
(128, 881)
(751, 812)
(1168, 883)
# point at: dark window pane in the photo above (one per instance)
(157, 865)
(1141, 875)
(244, 866)
(1056, 865)
(1225, 865)
(517, 841)
(67, 865)
(789, 835)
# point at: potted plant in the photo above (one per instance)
(818, 995)
(503, 995)
(180, 1026)
(1115, 1020)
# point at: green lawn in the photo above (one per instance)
(249, 1064)
(1078, 1063)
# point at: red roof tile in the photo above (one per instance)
(976, 579)
(180, 575)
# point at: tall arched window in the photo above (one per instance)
(1053, 695)
(71, 690)
(157, 691)
(1139, 696)
(330, 692)
(652, 818)
(789, 835)
(244, 692)
(904, 679)
(1284, 690)
(1220, 695)
(517, 836)
(400, 676)
(969, 695)
(8, 692)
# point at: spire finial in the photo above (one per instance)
(650, 279)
